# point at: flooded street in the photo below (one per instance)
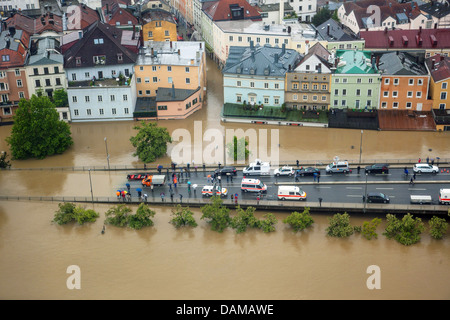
(162, 262)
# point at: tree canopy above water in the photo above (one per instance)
(37, 131)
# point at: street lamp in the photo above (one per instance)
(365, 194)
(107, 154)
(360, 147)
(90, 182)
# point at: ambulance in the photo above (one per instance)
(444, 196)
(253, 185)
(291, 193)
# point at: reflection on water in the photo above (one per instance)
(164, 263)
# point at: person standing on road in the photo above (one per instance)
(411, 181)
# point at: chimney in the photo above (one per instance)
(153, 52)
(178, 51)
(283, 48)
(107, 8)
(328, 29)
(200, 45)
(420, 29)
(432, 64)
(173, 90)
(170, 45)
(275, 58)
(134, 32)
(251, 45)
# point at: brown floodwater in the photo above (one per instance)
(162, 262)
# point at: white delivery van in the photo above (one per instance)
(257, 168)
(253, 185)
(421, 199)
(444, 196)
(291, 193)
(338, 166)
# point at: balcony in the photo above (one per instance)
(105, 82)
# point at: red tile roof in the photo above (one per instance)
(17, 49)
(87, 16)
(32, 26)
(416, 39)
(220, 10)
(114, 14)
(439, 67)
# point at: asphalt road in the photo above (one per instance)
(342, 188)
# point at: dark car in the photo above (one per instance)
(226, 170)
(377, 168)
(308, 171)
(377, 197)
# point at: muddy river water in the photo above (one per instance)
(162, 262)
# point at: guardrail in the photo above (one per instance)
(272, 205)
(208, 167)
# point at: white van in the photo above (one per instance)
(257, 168)
(420, 199)
(339, 166)
(291, 193)
(444, 196)
(253, 185)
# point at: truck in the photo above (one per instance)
(421, 199)
(444, 196)
(156, 180)
(257, 168)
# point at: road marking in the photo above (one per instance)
(323, 187)
(359, 188)
(354, 195)
(385, 188)
(416, 189)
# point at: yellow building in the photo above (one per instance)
(439, 91)
(158, 25)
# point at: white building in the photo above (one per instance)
(305, 9)
(8, 5)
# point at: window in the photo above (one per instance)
(19, 83)
(153, 68)
(140, 92)
(114, 111)
(35, 71)
(344, 92)
(238, 83)
(74, 99)
(162, 107)
(75, 112)
(112, 97)
(17, 72)
(419, 82)
(78, 61)
(386, 81)
(294, 97)
(277, 85)
(305, 86)
(358, 92)
(266, 100)
(443, 95)
(357, 104)
(419, 94)
(58, 81)
(37, 83)
(408, 105)
(21, 95)
(150, 34)
(359, 80)
(47, 82)
(395, 94)
(100, 98)
(369, 92)
(86, 98)
(169, 68)
(138, 80)
(240, 39)
(188, 80)
(386, 94)
(5, 57)
(238, 98)
(276, 100)
(155, 79)
(88, 112)
(56, 69)
(344, 103)
(411, 82)
(442, 106)
(126, 111)
(395, 105)
(444, 85)
(187, 69)
(99, 59)
(74, 77)
(384, 104)
(324, 87)
(101, 112)
(119, 57)
(166, 33)
(86, 75)
(409, 94)
(125, 97)
(396, 81)
(147, 92)
(252, 84)
(98, 41)
(266, 85)
(45, 70)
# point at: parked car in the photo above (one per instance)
(425, 167)
(377, 168)
(226, 170)
(209, 191)
(284, 171)
(377, 197)
(309, 171)
(339, 166)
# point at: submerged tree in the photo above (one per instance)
(142, 217)
(183, 217)
(117, 215)
(4, 163)
(438, 227)
(217, 215)
(238, 149)
(150, 141)
(340, 226)
(369, 227)
(37, 131)
(68, 212)
(244, 219)
(406, 231)
(299, 220)
(267, 224)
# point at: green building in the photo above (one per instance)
(355, 81)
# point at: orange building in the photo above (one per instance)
(158, 25)
(405, 82)
(14, 48)
(172, 77)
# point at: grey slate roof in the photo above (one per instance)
(173, 94)
(261, 61)
(13, 45)
(400, 63)
(336, 32)
(46, 53)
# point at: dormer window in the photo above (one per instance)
(99, 59)
(119, 57)
(78, 61)
(98, 41)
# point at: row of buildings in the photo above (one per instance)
(349, 79)
(110, 69)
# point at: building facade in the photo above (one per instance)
(438, 66)
(355, 82)
(158, 25)
(256, 75)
